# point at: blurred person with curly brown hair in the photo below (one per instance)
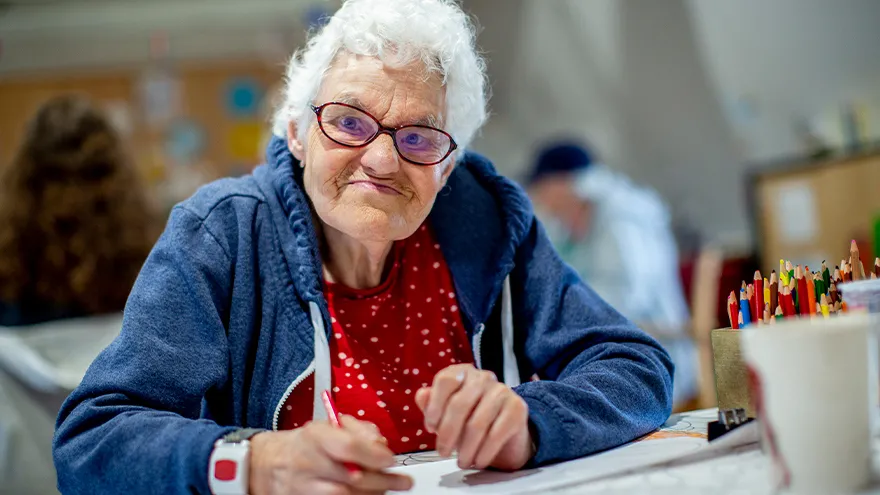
(75, 222)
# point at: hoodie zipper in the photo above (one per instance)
(477, 343)
(305, 374)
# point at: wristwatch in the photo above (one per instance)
(229, 465)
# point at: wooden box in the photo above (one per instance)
(731, 380)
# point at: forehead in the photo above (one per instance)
(395, 96)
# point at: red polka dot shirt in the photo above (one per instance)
(389, 341)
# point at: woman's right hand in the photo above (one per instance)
(309, 460)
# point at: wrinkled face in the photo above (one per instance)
(371, 193)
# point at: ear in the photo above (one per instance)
(293, 144)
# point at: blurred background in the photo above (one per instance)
(688, 97)
(755, 123)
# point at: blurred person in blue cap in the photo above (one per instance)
(617, 236)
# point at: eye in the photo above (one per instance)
(350, 123)
(413, 140)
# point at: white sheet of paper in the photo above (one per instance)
(445, 478)
(796, 208)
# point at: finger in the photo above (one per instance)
(342, 445)
(458, 410)
(322, 466)
(361, 428)
(373, 481)
(446, 383)
(477, 426)
(510, 421)
(324, 487)
(423, 395)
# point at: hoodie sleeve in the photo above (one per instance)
(603, 381)
(132, 425)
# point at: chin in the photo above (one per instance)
(367, 222)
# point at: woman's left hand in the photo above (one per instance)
(485, 421)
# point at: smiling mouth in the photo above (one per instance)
(374, 186)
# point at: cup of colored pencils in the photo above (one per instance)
(796, 292)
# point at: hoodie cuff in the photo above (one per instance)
(548, 432)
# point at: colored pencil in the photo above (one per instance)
(744, 309)
(803, 297)
(823, 306)
(826, 275)
(787, 303)
(759, 293)
(733, 311)
(753, 307)
(333, 416)
(779, 315)
(766, 291)
(774, 290)
(811, 293)
(877, 264)
(854, 259)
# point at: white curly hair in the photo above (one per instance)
(436, 32)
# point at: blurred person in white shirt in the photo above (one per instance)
(617, 235)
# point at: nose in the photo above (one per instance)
(380, 158)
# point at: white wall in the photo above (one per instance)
(39, 36)
(789, 58)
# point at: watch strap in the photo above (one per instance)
(241, 435)
(229, 464)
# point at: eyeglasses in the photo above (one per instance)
(350, 126)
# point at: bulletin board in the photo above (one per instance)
(809, 211)
(219, 121)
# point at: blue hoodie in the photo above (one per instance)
(228, 316)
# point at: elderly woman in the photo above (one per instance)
(373, 258)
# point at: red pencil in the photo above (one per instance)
(333, 415)
(733, 311)
(803, 297)
(753, 301)
(759, 292)
(788, 303)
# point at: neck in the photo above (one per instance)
(354, 263)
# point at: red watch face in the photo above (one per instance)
(225, 470)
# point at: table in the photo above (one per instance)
(738, 470)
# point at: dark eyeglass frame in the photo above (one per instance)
(381, 129)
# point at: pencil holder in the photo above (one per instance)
(731, 380)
